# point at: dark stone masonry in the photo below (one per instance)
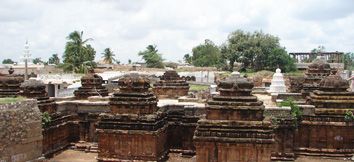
(171, 85)
(135, 129)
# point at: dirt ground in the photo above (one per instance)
(80, 156)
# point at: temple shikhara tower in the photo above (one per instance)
(327, 131)
(36, 89)
(234, 128)
(315, 72)
(10, 84)
(91, 86)
(135, 129)
(171, 85)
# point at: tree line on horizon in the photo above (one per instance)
(254, 51)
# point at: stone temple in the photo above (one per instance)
(10, 84)
(91, 86)
(36, 89)
(171, 85)
(278, 83)
(134, 125)
(234, 128)
(135, 129)
(326, 131)
(57, 134)
(315, 72)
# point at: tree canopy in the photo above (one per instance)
(152, 58)
(207, 54)
(348, 59)
(54, 59)
(78, 55)
(108, 56)
(7, 61)
(187, 58)
(257, 51)
(38, 60)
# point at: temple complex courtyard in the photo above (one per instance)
(176, 81)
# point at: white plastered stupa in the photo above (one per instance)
(278, 84)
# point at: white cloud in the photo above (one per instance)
(175, 26)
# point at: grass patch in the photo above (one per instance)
(11, 100)
(197, 87)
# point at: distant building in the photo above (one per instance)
(303, 59)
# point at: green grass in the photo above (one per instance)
(11, 100)
(196, 87)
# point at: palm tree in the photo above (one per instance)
(77, 51)
(108, 56)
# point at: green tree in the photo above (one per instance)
(108, 56)
(187, 58)
(7, 61)
(207, 54)
(129, 61)
(151, 56)
(280, 58)
(54, 59)
(37, 60)
(319, 49)
(255, 51)
(348, 60)
(78, 55)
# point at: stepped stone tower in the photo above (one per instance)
(36, 89)
(171, 85)
(328, 131)
(135, 129)
(315, 72)
(234, 128)
(91, 86)
(10, 84)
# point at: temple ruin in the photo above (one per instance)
(325, 131)
(10, 84)
(234, 128)
(135, 129)
(315, 72)
(91, 86)
(133, 124)
(171, 85)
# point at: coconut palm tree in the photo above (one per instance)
(77, 51)
(108, 56)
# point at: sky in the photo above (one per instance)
(175, 26)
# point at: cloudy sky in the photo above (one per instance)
(175, 26)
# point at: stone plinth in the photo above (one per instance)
(171, 85)
(278, 83)
(326, 132)
(10, 84)
(21, 132)
(234, 129)
(91, 86)
(135, 130)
